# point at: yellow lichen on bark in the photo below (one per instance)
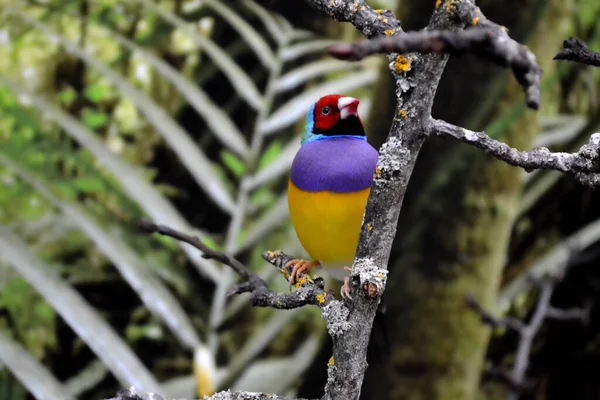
(321, 298)
(401, 64)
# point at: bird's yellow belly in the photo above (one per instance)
(328, 224)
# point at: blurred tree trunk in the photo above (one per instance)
(457, 219)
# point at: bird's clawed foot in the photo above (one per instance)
(345, 290)
(300, 266)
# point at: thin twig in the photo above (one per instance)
(207, 252)
(576, 50)
(487, 318)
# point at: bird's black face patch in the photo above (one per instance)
(347, 126)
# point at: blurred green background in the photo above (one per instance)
(189, 113)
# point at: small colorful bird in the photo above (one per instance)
(329, 185)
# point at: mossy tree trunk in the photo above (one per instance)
(452, 240)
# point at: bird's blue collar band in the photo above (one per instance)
(313, 137)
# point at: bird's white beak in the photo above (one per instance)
(348, 106)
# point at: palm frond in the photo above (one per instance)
(77, 313)
(256, 344)
(240, 81)
(34, 376)
(268, 20)
(305, 73)
(276, 168)
(131, 179)
(218, 121)
(152, 292)
(302, 49)
(278, 375)
(247, 32)
(189, 152)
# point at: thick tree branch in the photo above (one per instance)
(576, 50)
(584, 165)
(495, 46)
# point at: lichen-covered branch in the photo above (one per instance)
(584, 165)
(493, 45)
(417, 84)
(369, 22)
(132, 394)
(576, 50)
(307, 291)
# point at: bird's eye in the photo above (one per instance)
(325, 110)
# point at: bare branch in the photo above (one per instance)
(308, 291)
(489, 41)
(528, 334)
(485, 43)
(207, 252)
(518, 57)
(488, 319)
(584, 165)
(516, 379)
(576, 50)
(505, 376)
(578, 314)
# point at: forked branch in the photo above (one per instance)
(308, 291)
(516, 377)
(492, 45)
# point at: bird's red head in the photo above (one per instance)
(337, 115)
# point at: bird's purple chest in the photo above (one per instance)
(340, 165)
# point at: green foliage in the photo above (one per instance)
(10, 387)
(263, 198)
(28, 317)
(233, 163)
(94, 119)
(97, 92)
(270, 154)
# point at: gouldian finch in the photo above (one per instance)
(329, 185)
